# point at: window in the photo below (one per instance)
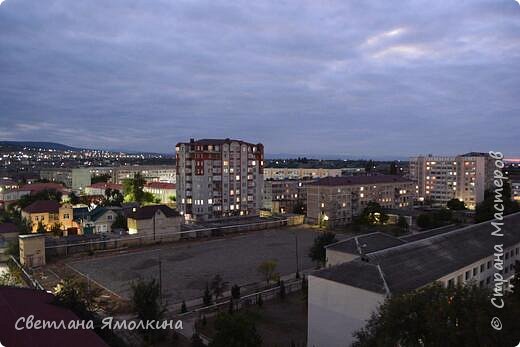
(468, 274)
(489, 264)
(482, 267)
(475, 271)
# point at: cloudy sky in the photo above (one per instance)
(356, 78)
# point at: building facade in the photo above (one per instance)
(283, 196)
(218, 178)
(343, 296)
(336, 200)
(442, 178)
(300, 173)
(157, 222)
(76, 179)
(151, 173)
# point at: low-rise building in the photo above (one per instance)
(337, 200)
(515, 188)
(32, 250)
(364, 270)
(299, 173)
(163, 191)
(48, 213)
(155, 221)
(99, 220)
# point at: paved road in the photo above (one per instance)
(187, 267)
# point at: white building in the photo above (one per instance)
(442, 178)
(219, 178)
(299, 173)
(366, 269)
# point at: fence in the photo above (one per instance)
(25, 275)
(62, 247)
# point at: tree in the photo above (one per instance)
(373, 214)
(133, 188)
(46, 194)
(113, 197)
(267, 270)
(146, 304)
(207, 299)
(299, 207)
(56, 229)
(120, 222)
(456, 205)
(485, 210)
(402, 224)
(218, 286)
(235, 292)
(282, 290)
(77, 296)
(73, 198)
(235, 330)
(41, 228)
(424, 221)
(393, 168)
(317, 252)
(172, 198)
(439, 316)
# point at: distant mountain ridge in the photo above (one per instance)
(39, 144)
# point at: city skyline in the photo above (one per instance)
(310, 79)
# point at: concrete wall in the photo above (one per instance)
(336, 311)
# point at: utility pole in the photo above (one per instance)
(160, 278)
(154, 226)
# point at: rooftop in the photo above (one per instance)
(147, 212)
(23, 302)
(8, 228)
(43, 206)
(358, 180)
(412, 265)
(160, 185)
(214, 142)
(368, 243)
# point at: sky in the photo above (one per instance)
(352, 78)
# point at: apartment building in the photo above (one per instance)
(515, 187)
(219, 178)
(336, 200)
(151, 173)
(442, 178)
(76, 179)
(282, 196)
(299, 173)
(364, 270)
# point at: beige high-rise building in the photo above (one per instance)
(336, 200)
(442, 178)
(219, 178)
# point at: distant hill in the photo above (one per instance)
(36, 144)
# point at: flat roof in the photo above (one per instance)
(412, 265)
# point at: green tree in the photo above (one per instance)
(56, 229)
(267, 270)
(77, 296)
(113, 197)
(439, 316)
(373, 213)
(41, 228)
(47, 194)
(456, 205)
(485, 210)
(218, 286)
(120, 222)
(402, 224)
(133, 189)
(146, 304)
(425, 221)
(235, 330)
(317, 252)
(207, 298)
(73, 198)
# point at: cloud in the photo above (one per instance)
(370, 78)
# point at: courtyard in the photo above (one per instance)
(187, 267)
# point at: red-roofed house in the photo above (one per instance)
(161, 190)
(18, 304)
(49, 212)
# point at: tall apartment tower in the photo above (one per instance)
(219, 178)
(442, 178)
